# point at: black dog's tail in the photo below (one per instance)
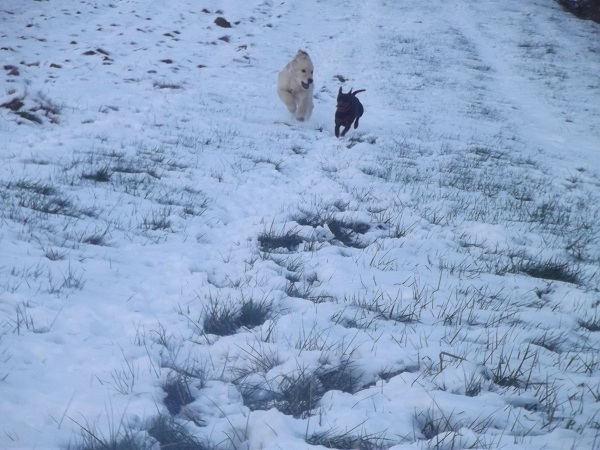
(356, 92)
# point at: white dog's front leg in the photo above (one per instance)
(305, 107)
(288, 99)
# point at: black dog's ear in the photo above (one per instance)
(350, 91)
(340, 91)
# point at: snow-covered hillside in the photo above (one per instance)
(185, 266)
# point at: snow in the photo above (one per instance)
(477, 154)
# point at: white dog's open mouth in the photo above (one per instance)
(305, 85)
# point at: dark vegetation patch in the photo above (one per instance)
(347, 231)
(342, 377)
(551, 270)
(36, 187)
(178, 394)
(47, 107)
(584, 9)
(99, 176)
(270, 241)
(166, 85)
(14, 105)
(11, 70)
(592, 324)
(222, 22)
(225, 318)
(346, 440)
(173, 435)
(298, 393)
(43, 106)
(29, 116)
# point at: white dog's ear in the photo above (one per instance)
(301, 52)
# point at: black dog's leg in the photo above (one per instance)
(360, 111)
(346, 128)
(337, 131)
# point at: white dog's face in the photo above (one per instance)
(303, 69)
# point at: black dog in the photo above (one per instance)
(349, 109)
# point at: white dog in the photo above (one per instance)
(295, 86)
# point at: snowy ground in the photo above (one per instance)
(174, 246)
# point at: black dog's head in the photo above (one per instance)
(344, 100)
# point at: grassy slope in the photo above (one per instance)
(442, 261)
